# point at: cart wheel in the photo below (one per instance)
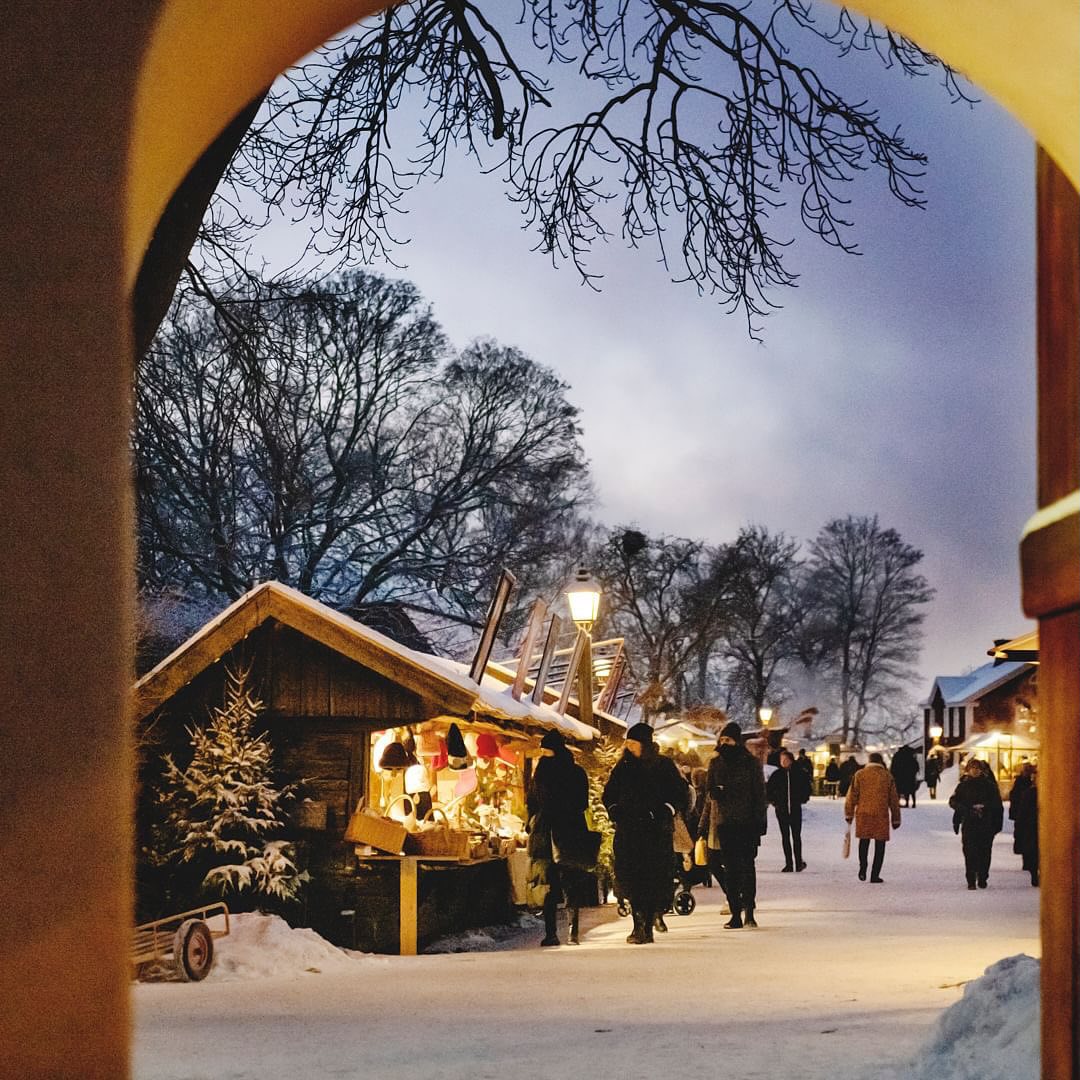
(193, 950)
(684, 903)
(623, 908)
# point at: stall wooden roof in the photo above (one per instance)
(443, 683)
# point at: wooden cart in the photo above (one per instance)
(179, 946)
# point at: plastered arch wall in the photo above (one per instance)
(103, 116)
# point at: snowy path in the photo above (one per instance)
(842, 980)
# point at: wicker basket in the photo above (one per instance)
(451, 843)
(367, 827)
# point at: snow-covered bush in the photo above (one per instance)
(222, 813)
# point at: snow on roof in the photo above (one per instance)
(965, 689)
(679, 730)
(446, 681)
(494, 698)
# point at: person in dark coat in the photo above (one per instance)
(832, 778)
(932, 774)
(978, 816)
(848, 769)
(787, 790)
(557, 800)
(905, 771)
(737, 788)
(1024, 813)
(807, 766)
(642, 796)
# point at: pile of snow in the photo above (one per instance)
(261, 946)
(512, 935)
(992, 1032)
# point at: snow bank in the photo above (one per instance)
(260, 946)
(992, 1032)
(490, 938)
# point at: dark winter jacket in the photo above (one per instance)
(737, 784)
(905, 770)
(1024, 812)
(787, 790)
(832, 772)
(557, 799)
(806, 766)
(641, 796)
(848, 769)
(976, 804)
(933, 770)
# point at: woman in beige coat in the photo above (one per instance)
(873, 803)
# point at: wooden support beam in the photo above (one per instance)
(1050, 556)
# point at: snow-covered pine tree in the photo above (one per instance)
(222, 811)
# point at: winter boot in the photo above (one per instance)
(574, 914)
(659, 924)
(637, 935)
(748, 919)
(648, 920)
(551, 924)
(735, 922)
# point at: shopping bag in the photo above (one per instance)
(847, 843)
(680, 839)
(701, 852)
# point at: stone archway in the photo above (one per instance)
(103, 119)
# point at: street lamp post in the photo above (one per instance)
(765, 715)
(583, 596)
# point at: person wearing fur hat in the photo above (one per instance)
(557, 800)
(642, 796)
(736, 785)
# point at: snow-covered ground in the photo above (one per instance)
(842, 980)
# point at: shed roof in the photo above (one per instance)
(967, 689)
(445, 684)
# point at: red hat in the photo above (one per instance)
(487, 746)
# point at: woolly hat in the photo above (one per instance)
(641, 733)
(457, 755)
(395, 757)
(487, 745)
(731, 730)
(553, 741)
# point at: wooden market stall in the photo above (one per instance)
(335, 696)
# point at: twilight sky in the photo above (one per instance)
(899, 382)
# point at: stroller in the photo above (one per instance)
(683, 880)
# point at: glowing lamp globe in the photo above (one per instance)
(583, 596)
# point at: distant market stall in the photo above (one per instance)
(382, 737)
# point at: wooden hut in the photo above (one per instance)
(330, 688)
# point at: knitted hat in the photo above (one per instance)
(416, 779)
(553, 740)
(394, 757)
(641, 733)
(486, 745)
(731, 730)
(457, 755)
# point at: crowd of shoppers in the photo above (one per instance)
(651, 801)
